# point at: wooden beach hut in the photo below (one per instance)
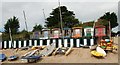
(46, 33)
(55, 33)
(100, 31)
(67, 32)
(36, 35)
(77, 32)
(88, 31)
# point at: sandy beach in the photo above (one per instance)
(78, 55)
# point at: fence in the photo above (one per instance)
(40, 42)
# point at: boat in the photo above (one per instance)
(62, 50)
(48, 50)
(30, 59)
(31, 56)
(100, 50)
(2, 57)
(97, 54)
(14, 57)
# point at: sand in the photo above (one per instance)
(78, 55)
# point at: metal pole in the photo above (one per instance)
(44, 15)
(110, 29)
(61, 20)
(93, 29)
(25, 21)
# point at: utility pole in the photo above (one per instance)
(25, 21)
(61, 20)
(44, 16)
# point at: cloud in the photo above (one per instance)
(84, 11)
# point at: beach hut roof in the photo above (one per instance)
(56, 29)
(76, 27)
(100, 26)
(45, 29)
(66, 28)
(88, 27)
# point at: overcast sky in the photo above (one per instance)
(85, 10)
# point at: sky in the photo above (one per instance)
(85, 10)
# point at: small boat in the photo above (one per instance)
(63, 50)
(97, 54)
(30, 59)
(24, 48)
(48, 50)
(31, 56)
(100, 50)
(14, 57)
(2, 57)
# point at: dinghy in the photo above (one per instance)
(29, 59)
(100, 50)
(2, 57)
(48, 50)
(62, 50)
(31, 56)
(14, 57)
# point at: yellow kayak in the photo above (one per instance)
(97, 54)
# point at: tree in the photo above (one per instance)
(112, 17)
(13, 24)
(37, 27)
(68, 18)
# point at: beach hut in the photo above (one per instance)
(36, 35)
(46, 33)
(67, 32)
(100, 31)
(77, 32)
(55, 33)
(88, 31)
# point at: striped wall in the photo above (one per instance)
(40, 42)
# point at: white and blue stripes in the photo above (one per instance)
(68, 42)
